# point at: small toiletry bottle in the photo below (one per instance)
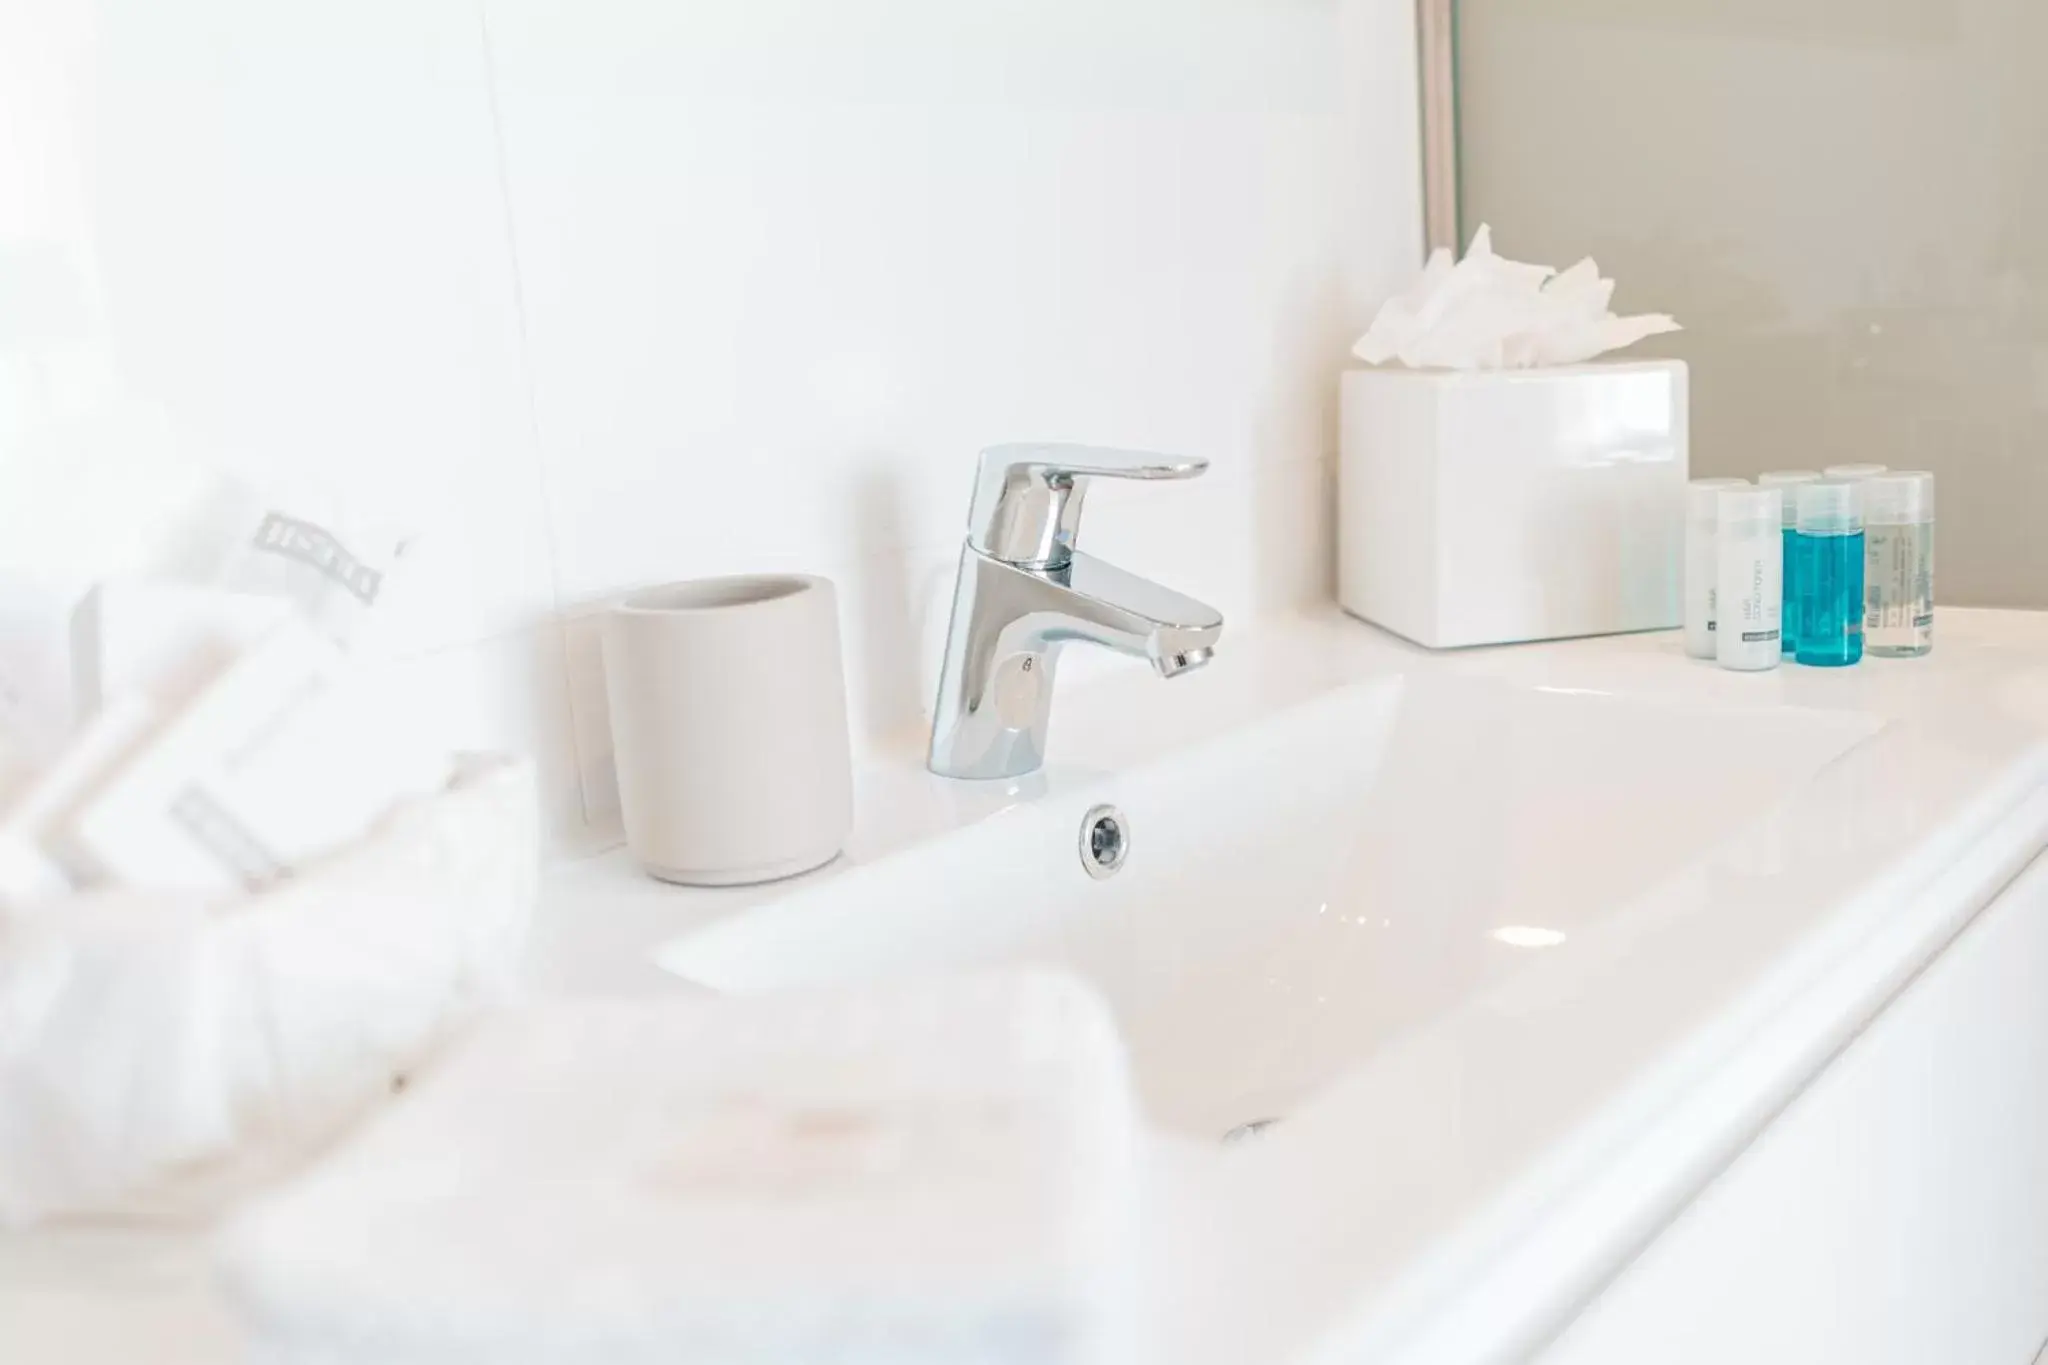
(1829, 550)
(1850, 473)
(1898, 564)
(1788, 480)
(1748, 600)
(1701, 563)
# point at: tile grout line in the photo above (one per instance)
(529, 389)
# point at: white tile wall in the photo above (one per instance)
(625, 291)
(300, 238)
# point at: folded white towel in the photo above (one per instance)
(910, 1174)
(147, 1033)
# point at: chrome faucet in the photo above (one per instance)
(1024, 591)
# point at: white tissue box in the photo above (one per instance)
(1484, 507)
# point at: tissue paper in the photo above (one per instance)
(1489, 313)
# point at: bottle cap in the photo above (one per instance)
(1786, 479)
(1832, 507)
(1854, 471)
(1902, 498)
(1701, 507)
(1751, 511)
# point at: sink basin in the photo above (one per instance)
(1301, 893)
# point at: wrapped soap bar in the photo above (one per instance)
(281, 759)
(161, 640)
(300, 546)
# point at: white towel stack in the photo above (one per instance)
(910, 1174)
(145, 1035)
(242, 886)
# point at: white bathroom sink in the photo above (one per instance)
(1301, 893)
(1522, 948)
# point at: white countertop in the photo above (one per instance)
(1980, 701)
(1985, 687)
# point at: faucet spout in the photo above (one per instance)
(1104, 605)
(1009, 624)
(1173, 665)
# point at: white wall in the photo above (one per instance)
(617, 292)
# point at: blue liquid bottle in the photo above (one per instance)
(1789, 480)
(1828, 573)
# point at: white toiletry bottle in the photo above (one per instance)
(1898, 564)
(1702, 565)
(1749, 597)
(1854, 472)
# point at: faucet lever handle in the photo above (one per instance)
(1027, 498)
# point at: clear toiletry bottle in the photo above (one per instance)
(1748, 599)
(1788, 480)
(1898, 564)
(1702, 564)
(1829, 553)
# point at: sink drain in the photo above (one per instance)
(1105, 841)
(1245, 1132)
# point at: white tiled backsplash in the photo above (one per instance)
(624, 291)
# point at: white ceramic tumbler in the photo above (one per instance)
(728, 713)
